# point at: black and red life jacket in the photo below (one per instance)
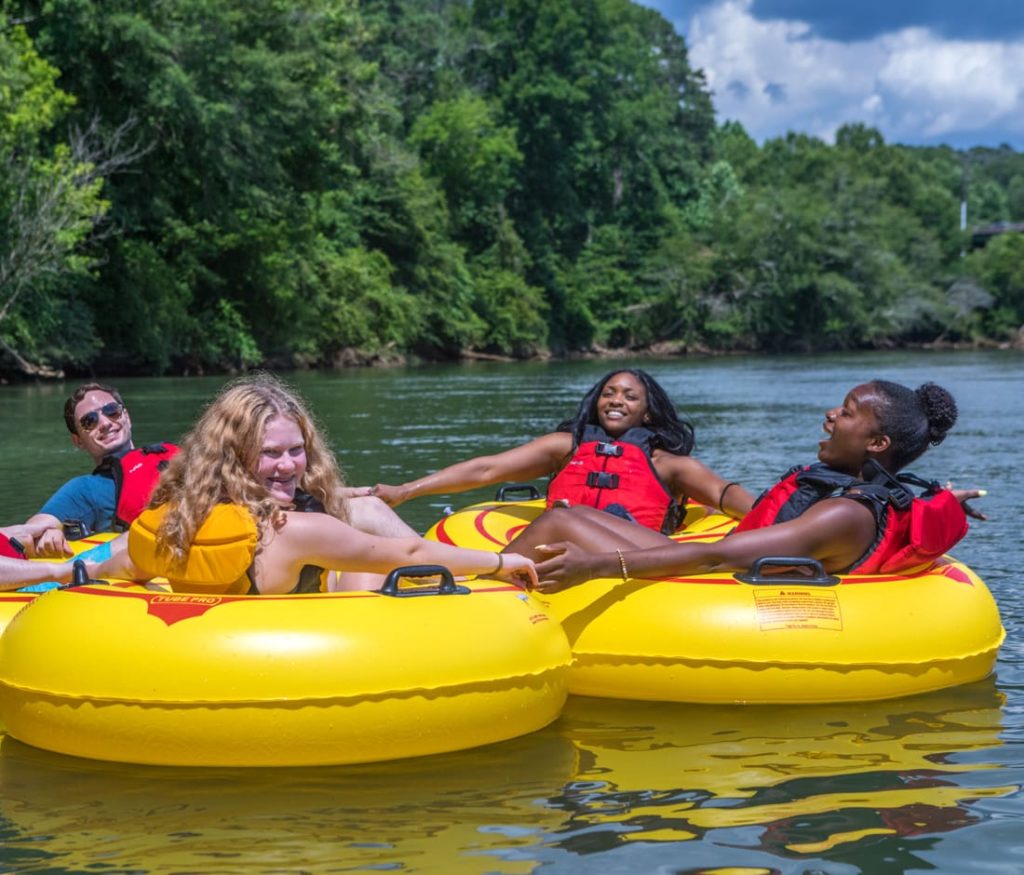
(617, 476)
(11, 548)
(911, 530)
(135, 476)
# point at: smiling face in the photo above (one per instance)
(622, 404)
(282, 461)
(853, 433)
(109, 435)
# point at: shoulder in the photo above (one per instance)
(88, 498)
(85, 484)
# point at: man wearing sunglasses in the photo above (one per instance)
(119, 487)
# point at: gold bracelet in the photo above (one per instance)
(501, 564)
(622, 566)
(721, 496)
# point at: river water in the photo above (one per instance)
(931, 783)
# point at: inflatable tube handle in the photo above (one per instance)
(531, 491)
(446, 587)
(757, 576)
(79, 576)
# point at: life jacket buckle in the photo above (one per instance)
(607, 449)
(602, 480)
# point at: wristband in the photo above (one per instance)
(721, 497)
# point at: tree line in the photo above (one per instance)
(209, 185)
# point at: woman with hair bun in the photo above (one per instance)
(849, 510)
(626, 452)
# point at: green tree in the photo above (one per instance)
(252, 112)
(999, 269)
(50, 203)
(613, 126)
(473, 158)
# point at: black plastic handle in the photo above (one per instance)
(819, 576)
(447, 586)
(531, 491)
(80, 577)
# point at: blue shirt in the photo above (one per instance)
(89, 499)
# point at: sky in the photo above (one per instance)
(922, 72)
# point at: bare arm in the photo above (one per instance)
(835, 531)
(686, 475)
(117, 566)
(15, 573)
(538, 458)
(319, 539)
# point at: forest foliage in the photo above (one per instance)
(204, 185)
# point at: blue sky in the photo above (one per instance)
(920, 71)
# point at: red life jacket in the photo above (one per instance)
(11, 548)
(135, 475)
(619, 477)
(911, 530)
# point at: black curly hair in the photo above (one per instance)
(672, 434)
(913, 418)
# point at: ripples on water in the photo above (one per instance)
(928, 783)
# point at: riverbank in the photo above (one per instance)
(393, 358)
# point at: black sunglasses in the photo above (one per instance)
(112, 410)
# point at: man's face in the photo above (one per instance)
(102, 425)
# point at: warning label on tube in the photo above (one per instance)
(796, 608)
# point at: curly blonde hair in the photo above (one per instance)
(220, 455)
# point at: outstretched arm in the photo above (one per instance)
(319, 539)
(837, 532)
(15, 573)
(538, 458)
(118, 565)
(690, 477)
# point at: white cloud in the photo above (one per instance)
(774, 76)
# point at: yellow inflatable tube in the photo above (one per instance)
(92, 547)
(715, 638)
(138, 676)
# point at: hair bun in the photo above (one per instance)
(940, 408)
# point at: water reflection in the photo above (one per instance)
(871, 785)
(447, 813)
(792, 782)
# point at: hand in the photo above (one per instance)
(356, 491)
(964, 495)
(518, 569)
(565, 566)
(50, 543)
(390, 495)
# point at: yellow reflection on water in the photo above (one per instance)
(467, 812)
(813, 776)
(608, 777)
